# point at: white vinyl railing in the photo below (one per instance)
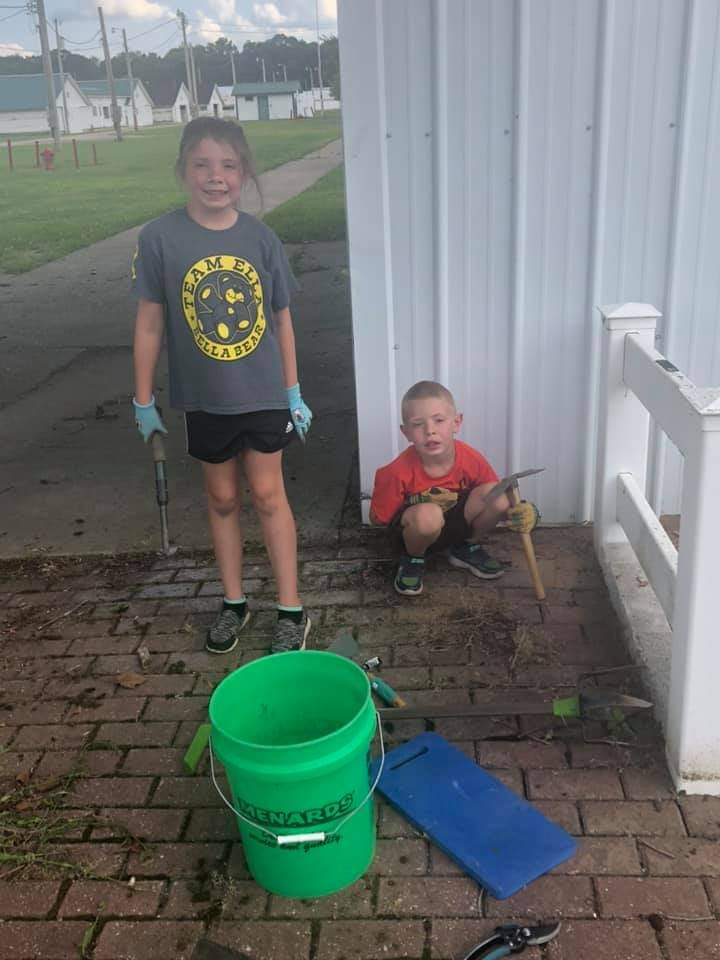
(636, 382)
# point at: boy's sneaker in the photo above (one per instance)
(409, 576)
(473, 557)
(223, 635)
(290, 635)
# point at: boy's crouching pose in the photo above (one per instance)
(432, 496)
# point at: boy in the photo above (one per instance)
(433, 494)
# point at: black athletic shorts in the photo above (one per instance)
(217, 437)
(455, 530)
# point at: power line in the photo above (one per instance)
(173, 36)
(93, 42)
(11, 15)
(76, 43)
(81, 43)
(163, 24)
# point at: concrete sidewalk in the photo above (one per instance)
(74, 476)
(644, 885)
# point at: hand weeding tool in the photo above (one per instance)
(512, 938)
(588, 703)
(161, 491)
(345, 645)
(509, 485)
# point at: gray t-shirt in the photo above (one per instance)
(219, 288)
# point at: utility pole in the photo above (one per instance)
(320, 82)
(284, 72)
(39, 8)
(66, 116)
(132, 82)
(194, 82)
(188, 70)
(114, 108)
(261, 61)
(232, 65)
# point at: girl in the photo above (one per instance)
(219, 282)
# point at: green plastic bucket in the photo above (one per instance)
(293, 732)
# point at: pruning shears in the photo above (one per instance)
(512, 938)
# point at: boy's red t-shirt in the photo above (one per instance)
(404, 482)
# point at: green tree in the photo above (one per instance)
(162, 75)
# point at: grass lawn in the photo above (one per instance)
(46, 215)
(316, 214)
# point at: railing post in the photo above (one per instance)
(623, 421)
(693, 740)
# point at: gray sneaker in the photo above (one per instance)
(223, 635)
(290, 635)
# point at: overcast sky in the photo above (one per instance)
(153, 26)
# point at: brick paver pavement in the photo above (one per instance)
(92, 774)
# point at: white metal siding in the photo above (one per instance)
(308, 101)
(24, 121)
(247, 109)
(510, 166)
(182, 99)
(36, 121)
(280, 106)
(80, 112)
(142, 106)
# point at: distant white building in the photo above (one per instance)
(221, 102)
(163, 114)
(266, 101)
(309, 101)
(181, 107)
(24, 106)
(98, 93)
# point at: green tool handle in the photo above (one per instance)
(196, 748)
(386, 692)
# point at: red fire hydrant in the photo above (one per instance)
(47, 158)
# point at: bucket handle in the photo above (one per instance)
(284, 840)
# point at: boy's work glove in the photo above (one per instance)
(299, 411)
(147, 418)
(524, 517)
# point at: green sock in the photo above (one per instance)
(290, 613)
(239, 606)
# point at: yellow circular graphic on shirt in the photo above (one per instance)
(222, 302)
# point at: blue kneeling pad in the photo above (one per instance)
(496, 837)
